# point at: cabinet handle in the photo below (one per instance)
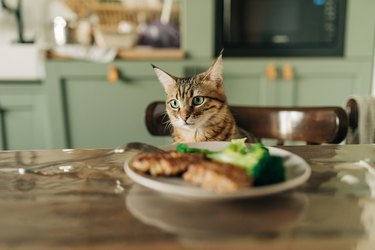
(288, 72)
(271, 72)
(113, 74)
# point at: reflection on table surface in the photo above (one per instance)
(92, 204)
(248, 216)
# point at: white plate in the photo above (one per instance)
(297, 172)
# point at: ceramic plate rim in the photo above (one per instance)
(177, 187)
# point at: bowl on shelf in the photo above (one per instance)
(113, 37)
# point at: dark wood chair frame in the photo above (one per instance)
(353, 113)
(312, 125)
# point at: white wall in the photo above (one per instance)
(25, 61)
(36, 20)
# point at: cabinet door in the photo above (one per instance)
(23, 120)
(88, 111)
(331, 82)
(101, 114)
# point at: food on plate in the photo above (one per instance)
(217, 176)
(164, 164)
(255, 159)
(235, 167)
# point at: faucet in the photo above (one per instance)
(17, 12)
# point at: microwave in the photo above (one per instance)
(280, 27)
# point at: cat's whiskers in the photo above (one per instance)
(169, 126)
(167, 122)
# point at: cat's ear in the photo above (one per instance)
(215, 72)
(166, 79)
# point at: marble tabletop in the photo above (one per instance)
(92, 204)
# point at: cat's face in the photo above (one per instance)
(192, 101)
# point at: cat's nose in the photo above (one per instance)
(185, 118)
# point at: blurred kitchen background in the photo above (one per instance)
(69, 27)
(77, 74)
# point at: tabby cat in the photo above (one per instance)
(197, 106)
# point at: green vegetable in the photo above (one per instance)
(183, 148)
(238, 146)
(256, 160)
(269, 170)
(237, 153)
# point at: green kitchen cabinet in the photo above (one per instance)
(23, 116)
(314, 82)
(332, 83)
(87, 110)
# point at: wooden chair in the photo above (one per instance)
(352, 111)
(312, 125)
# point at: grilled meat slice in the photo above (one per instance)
(164, 164)
(219, 177)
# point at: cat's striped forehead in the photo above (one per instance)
(190, 86)
(187, 81)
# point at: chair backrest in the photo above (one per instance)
(353, 113)
(312, 125)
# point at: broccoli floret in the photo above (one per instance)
(245, 157)
(269, 170)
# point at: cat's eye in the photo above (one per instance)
(198, 100)
(174, 104)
